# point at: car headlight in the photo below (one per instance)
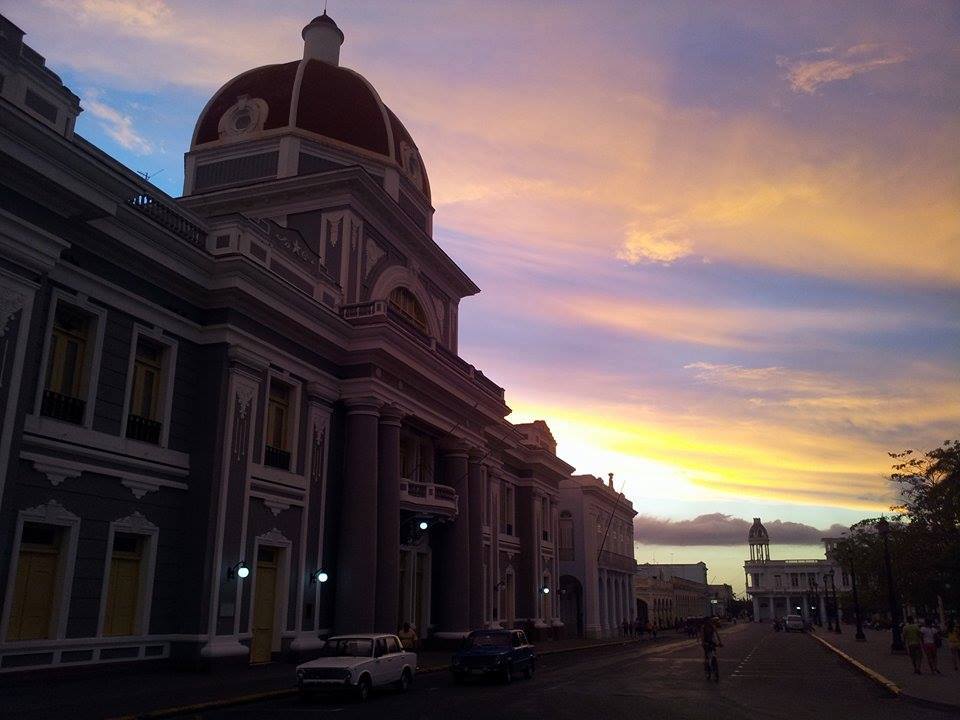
(300, 673)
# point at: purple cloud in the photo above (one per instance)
(720, 529)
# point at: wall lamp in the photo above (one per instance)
(545, 590)
(239, 570)
(319, 576)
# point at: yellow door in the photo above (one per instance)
(123, 590)
(264, 606)
(33, 593)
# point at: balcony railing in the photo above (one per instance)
(143, 429)
(275, 457)
(62, 407)
(170, 218)
(429, 497)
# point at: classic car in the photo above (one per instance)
(358, 663)
(503, 653)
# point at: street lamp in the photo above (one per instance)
(856, 599)
(319, 576)
(836, 604)
(239, 570)
(812, 581)
(896, 644)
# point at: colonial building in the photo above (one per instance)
(668, 593)
(236, 421)
(791, 587)
(720, 596)
(596, 557)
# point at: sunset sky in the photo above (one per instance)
(719, 244)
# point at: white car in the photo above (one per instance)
(794, 623)
(358, 663)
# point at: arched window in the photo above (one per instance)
(407, 304)
(566, 536)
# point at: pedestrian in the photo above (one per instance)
(953, 642)
(913, 639)
(408, 637)
(931, 640)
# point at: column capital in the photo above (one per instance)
(362, 406)
(454, 447)
(241, 359)
(320, 394)
(391, 415)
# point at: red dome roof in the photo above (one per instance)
(329, 101)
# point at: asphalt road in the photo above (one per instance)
(762, 675)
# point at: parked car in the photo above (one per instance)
(503, 653)
(794, 623)
(358, 664)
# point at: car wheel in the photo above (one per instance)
(531, 668)
(403, 684)
(363, 689)
(508, 675)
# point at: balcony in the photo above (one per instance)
(429, 497)
(143, 429)
(275, 457)
(62, 407)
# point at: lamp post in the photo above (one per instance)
(826, 600)
(896, 644)
(856, 599)
(836, 604)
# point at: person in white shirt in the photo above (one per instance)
(929, 634)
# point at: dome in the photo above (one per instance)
(758, 531)
(315, 96)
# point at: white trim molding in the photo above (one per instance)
(168, 371)
(133, 524)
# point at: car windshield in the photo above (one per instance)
(348, 647)
(488, 640)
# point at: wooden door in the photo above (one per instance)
(264, 606)
(33, 594)
(123, 590)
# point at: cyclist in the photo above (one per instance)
(710, 640)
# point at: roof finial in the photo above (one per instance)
(322, 39)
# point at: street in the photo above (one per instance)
(763, 675)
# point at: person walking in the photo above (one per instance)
(408, 637)
(913, 639)
(931, 637)
(953, 642)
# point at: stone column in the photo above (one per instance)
(475, 512)
(602, 601)
(756, 609)
(357, 556)
(388, 520)
(454, 550)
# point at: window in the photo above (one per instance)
(144, 419)
(506, 509)
(392, 645)
(545, 519)
(566, 536)
(776, 581)
(406, 303)
(279, 424)
(65, 392)
(35, 588)
(794, 580)
(844, 578)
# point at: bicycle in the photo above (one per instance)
(710, 665)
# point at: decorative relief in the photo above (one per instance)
(411, 163)
(52, 512)
(354, 235)
(244, 398)
(334, 231)
(441, 309)
(139, 488)
(11, 302)
(56, 474)
(316, 458)
(374, 255)
(274, 537)
(241, 422)
(275, 506)
(137, 523)
(245, 116)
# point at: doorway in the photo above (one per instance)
(264, 605)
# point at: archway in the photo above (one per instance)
(643, 612)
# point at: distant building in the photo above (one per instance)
(720, 598)
(596, 557)
(785, 587)
(670, 592)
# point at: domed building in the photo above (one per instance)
(237, 421)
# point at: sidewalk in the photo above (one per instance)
(874, 653)
(132, 691)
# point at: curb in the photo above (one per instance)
(886, 683)
(289, 692)
(876, 677)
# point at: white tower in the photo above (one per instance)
(759, 542)
(322, 40)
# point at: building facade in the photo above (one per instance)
(669, 593)
(597, 564)
(720, 596)
(792, 587)
(237, 421)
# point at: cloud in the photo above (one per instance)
(720, 529)
(116, 124)
(806, 76)
(664, 243)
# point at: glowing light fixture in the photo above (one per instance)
(239, 570)
(319, 576)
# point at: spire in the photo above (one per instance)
(322, 40)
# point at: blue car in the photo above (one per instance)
(502, 653)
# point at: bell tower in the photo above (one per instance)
(759, 542)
